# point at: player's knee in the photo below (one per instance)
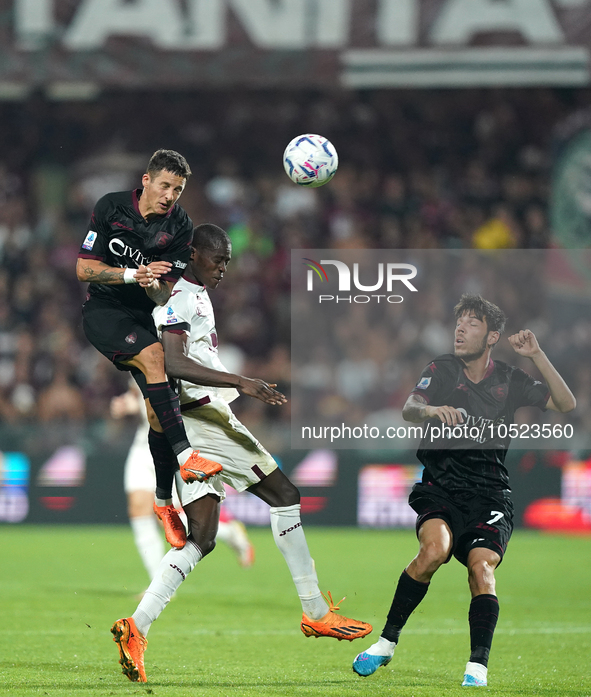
(155, 356)
(289, 494)
(206, 545)
(432, 555)
(151, 359)
(481, 568)
(481, 575)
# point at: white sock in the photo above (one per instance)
(225, 533)
(289, 537)
(476, 670)
(184, 456)
(382, 647)
(172, 571)
(162, 502)
(148, 540)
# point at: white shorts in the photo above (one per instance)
(218, 435)
(139, 474)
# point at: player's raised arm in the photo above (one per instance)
(417, 409)
(181, 366)
(561, 398)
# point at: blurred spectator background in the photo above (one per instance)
(420, 169)
(355, 361)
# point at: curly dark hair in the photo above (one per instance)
(494, 317)
(170, 161)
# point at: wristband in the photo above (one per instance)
(128, 276)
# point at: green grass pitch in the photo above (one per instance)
(235, 632)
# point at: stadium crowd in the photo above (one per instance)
(418, 170)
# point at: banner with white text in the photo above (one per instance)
(75, 48)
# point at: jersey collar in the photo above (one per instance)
(489, 368)
(195, 283)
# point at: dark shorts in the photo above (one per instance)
(476, 519)
(119, 333)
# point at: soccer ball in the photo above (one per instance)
(310, 160)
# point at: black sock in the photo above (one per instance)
(408, 595)
(165, 463)
(483, 616)
(165, 403)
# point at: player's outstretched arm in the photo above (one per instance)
(561, 398)
(179, 365)
(255, 387)
(417, 410)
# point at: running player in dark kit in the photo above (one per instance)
(136, 248)
(463, 503)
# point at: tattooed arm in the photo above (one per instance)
(95, 271)
(417, 409)
(414, 409)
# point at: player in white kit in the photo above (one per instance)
(139, 480)
(187, 327)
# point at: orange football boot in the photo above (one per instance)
(131, 649)
(174, 529)
(334, 625)
(199, 469)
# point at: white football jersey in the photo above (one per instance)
(189, 304)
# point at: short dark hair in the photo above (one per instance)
(169, 160)
(494, 317)
(209, 236)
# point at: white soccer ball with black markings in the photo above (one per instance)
(310, 160)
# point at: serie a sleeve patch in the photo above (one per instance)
(177, 310)
(89, 240)
(171, 318)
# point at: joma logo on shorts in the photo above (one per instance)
(284, 532)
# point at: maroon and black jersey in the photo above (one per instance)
(473, 457)
(120, 236)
